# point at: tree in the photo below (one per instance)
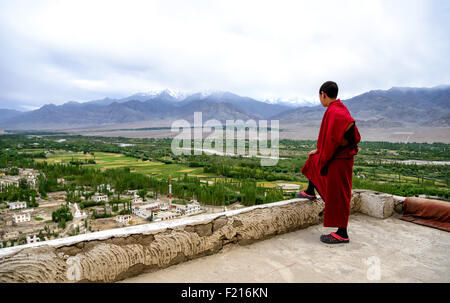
(119, 187)
(142, 193)
(23, 183)
(41, 236)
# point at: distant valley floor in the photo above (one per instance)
(406, 134)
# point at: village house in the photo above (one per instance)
(100, 198)
(145, 210)
(32, 181)
(124, 219)
(189, 209)
(33, 239)
(163, 206)
(9, 181)
(17, 205)
(20, 218)
(101, 187)
(30, 175)
(161, 216)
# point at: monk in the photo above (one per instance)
(329, 168)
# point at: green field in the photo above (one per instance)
(105, 160)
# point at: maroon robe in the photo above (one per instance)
(331, 168)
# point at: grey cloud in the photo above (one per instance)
(284, 50)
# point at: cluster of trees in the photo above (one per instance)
(245, 173)
(61, 216)
(225, 191)
(82, 162)
(127, 209)
(19, 193)
(12, 171)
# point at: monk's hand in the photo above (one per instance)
(313, 152)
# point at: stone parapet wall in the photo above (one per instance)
(116, 254)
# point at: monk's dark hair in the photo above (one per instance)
(330, 88)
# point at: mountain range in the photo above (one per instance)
(396, 107)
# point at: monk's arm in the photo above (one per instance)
(335, 138)
(344, 141)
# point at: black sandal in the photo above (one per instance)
(333, 238)
(302, 194)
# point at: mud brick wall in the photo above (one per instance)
(116, 254)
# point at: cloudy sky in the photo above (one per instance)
(58, 51)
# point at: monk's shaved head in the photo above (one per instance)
(330, 88)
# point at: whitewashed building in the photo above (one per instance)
(103, 186)
(163, 206)
(161, 216)
(9, 182)
(33, 239)
(125, 219)
(17, 205)
(145, 210)
(99, 198)
(192, 208)
(189, 209)
(19, 218)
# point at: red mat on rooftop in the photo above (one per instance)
(427, 212)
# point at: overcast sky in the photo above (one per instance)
(58, 51)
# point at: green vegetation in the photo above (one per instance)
(61, 216)
(150, 218)
(145, 164)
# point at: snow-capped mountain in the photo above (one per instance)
(391, 108)
(175, 94)
(292, 102)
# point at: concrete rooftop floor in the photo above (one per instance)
(405, 252)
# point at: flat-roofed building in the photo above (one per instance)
(189, 209)
(20, 218)
(100, 198)
(167, 215)
(17, 205)
(33, 239)
(145, 210)
(125, 219)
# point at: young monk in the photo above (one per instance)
(329, 168)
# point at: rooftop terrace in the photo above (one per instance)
(406, 252)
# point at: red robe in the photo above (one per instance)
(331, 169)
